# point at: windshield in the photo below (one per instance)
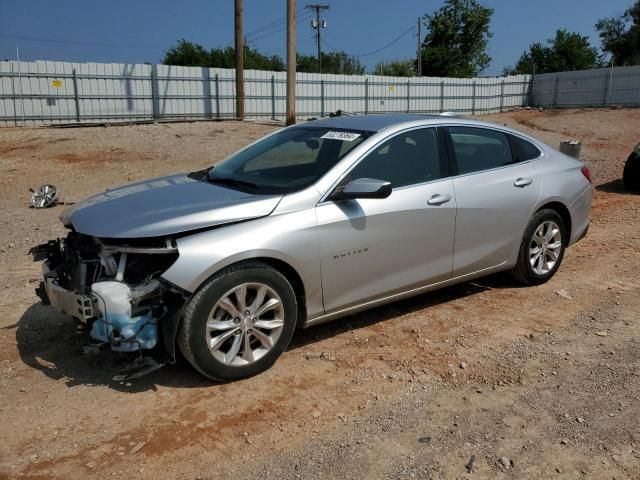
(286, 162)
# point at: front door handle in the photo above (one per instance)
(523, 182)
(439, 199)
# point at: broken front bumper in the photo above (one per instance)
(65, 301)
(112, 290)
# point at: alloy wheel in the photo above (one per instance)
(245, 324)
(545, 247)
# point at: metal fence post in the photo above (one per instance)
(473, 98)
(75, 95)
(153, 93)
(366, 95)
(408, 96)
(555, 91)
(442, 96)
(217, 97)
(322, 98)
(13, 94)
(273, 97)
(502, 96)
(606, 87)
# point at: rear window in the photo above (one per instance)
(522, 150)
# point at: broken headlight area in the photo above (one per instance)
(113, 286)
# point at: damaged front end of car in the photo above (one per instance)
(114, 287)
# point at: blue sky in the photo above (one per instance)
(137, 31)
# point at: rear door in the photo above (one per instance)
(371, 248)
(496, 191)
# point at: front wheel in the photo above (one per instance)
(542, 248)
(239, 322)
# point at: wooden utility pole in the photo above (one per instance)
(419, 51)
(291, 62)
(318, 24)
(239, 61)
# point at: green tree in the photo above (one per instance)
(332, 62)
(456, 40)
(187, 54)
(620, 36)
(396, 68)
(566, 51)
(193, 55)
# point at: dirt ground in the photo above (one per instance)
(482, 380)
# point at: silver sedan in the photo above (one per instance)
(312, 223)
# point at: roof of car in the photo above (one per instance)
(372, 122)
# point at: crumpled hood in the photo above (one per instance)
(164, 206)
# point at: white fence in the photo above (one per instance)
(588, 88)
(33, 93)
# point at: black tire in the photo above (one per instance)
(523, 272)
(631, 174)
(192, 332)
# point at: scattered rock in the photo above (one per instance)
(463, 365)
(505, 462)
(470, 466)
(564, 441)
(564, 294)
(602, 334)
(580, 420)
(138, 447)
(425, 440)
(319, 355)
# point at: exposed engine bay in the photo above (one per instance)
(112, 286)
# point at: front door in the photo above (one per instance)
(372, 248)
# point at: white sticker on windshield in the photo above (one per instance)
(344, 136)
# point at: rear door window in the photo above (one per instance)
(478, 149)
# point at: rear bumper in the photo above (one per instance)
(580, 210)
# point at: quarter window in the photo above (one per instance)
(521, 150)
(478, 149)
(406, 159)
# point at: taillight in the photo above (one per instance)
(587, 173)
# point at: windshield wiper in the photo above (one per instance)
(233, 182)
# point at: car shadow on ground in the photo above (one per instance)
(615, 186)
(51, 342)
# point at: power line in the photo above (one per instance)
(392, 42)
(275, 26)
(275, 23)
(281, 28)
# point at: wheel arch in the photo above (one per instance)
(294, 278)
(562, 210)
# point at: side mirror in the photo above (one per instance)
(363, 188)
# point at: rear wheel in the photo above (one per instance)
(542, 248)
(239, 322)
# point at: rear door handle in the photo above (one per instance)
(523, 182)
(439, 199)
